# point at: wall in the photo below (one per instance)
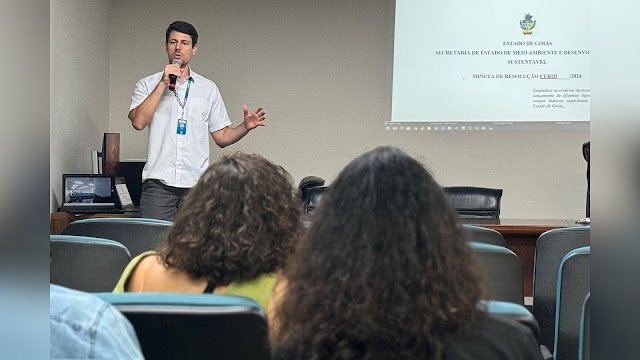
(322, 70)
(79, 86)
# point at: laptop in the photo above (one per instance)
(88, 193)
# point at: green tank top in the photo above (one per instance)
(258, 289)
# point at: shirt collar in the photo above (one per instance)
(192, 74)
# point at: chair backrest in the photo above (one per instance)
(313, 196)
(484, 235)
(87, 264)
(308, 182)
(502, 271)
(574, 282)
(195, 326)
(551, 248)
(137, 234)
(475, 202)
(586, 150)
(513, 312)
(585, 329)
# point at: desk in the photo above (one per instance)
(60, 220)
(521, 236)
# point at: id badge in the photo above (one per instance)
(182, 127)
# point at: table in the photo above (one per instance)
(521, 236)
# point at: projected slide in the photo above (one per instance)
(491, 61)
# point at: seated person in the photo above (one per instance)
(385, 273)
(231, 235)
(82, 326)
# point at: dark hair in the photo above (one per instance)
(240, 220)
(384, 271)
(182, 27)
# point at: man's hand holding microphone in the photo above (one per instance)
(171, 73)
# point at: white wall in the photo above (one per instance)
(79, 85)
(322, 70)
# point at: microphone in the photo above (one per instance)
(173, 78)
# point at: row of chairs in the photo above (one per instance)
(196, 326)
(470, 202)
(94, 264)
(164, 319)
(81, 268)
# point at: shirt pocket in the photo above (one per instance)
(198, 110)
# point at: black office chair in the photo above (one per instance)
(475, 202)
(551, 248)
(314, 195)
(87, 264)
(195, 326)
(137, 234)
(484, 235)
(308, 182)
(502, 271)
(311, 189)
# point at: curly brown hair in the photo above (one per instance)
(384, 271)
(240, 220)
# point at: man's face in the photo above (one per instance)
(180, 47)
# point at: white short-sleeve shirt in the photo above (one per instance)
(174, 159)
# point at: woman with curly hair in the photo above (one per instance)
(233, 232)
(385, 273)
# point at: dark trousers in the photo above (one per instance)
(160, 201)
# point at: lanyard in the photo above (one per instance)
(186, 96)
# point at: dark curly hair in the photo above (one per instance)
(240, 220)
(384, 271)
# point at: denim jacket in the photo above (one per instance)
(85, 327)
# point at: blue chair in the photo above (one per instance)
(195, 326)
(513, 312)
(551, 248)
(483, 235)
(137, 234)
(125, 219)
(585, 329)
(87, 264)
(574, 282)
(502, 271)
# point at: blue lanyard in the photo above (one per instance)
(186, 96)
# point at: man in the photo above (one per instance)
(178, 121)
(83, 326)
